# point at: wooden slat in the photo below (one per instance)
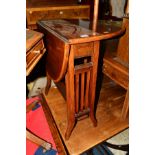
(83, 68)
(87, 89)
(77, 93)
(82, 91)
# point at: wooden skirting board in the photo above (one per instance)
(84, 136)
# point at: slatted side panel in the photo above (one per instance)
(82, 88)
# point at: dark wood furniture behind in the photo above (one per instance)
(117, 67)
(60, 9)
(34, 49)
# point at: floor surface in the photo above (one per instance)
(35, 88)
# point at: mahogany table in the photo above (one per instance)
(72, 53)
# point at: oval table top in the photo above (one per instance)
(78, 31)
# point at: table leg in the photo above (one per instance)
(69, 79)
(93, 81)
(125, 106)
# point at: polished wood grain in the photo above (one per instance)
(80, 31)
(85, 136)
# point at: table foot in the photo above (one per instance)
(70, 127)
(94, 121)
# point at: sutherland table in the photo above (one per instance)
(73, 51)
